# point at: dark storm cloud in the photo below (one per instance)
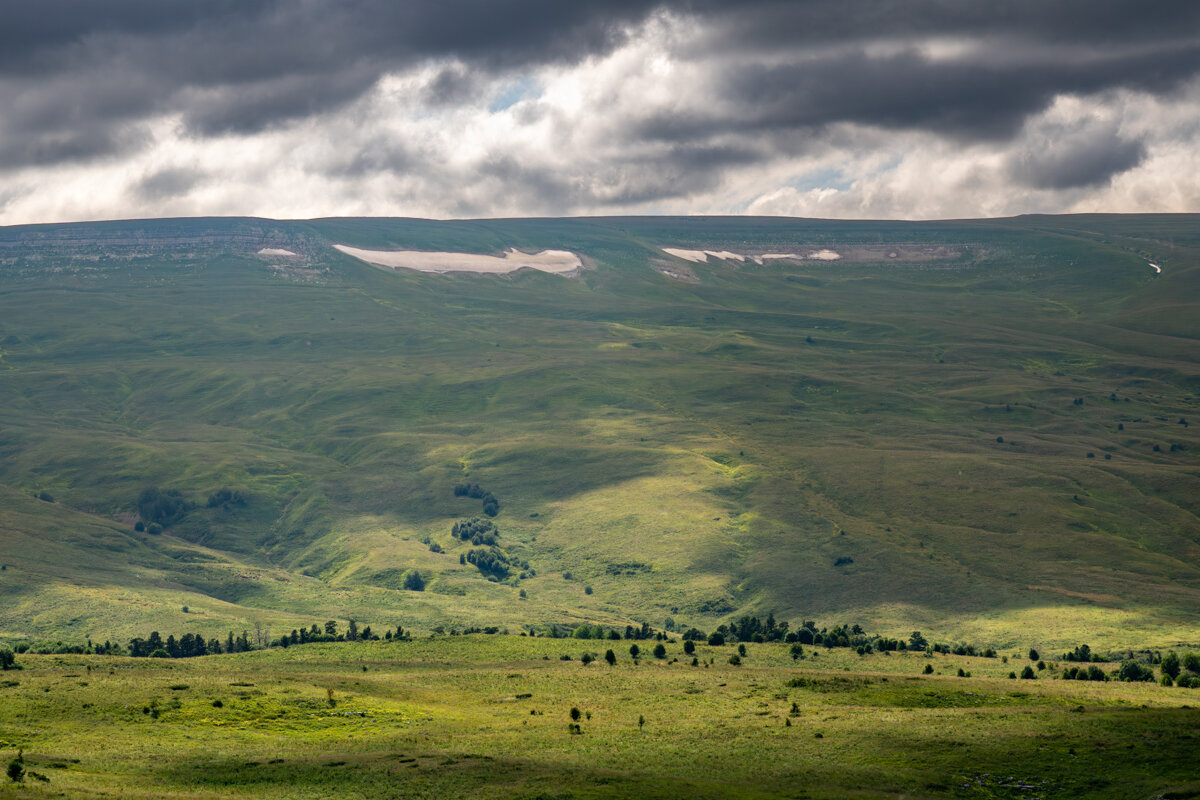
(244, 66)
(167, 183)
(1079, 156)
(241, 65)
(983, 100)
(80, 79)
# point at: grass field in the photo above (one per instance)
(488, 716)
(987, 446)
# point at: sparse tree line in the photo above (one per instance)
(192, 645)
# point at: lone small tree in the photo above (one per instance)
(16, 768)
(575, 714)
(660, 651)
(7, 659)
(689, 646)
(610, 657)
(634, 650)
(1033, 655)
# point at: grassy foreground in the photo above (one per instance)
(488, 716)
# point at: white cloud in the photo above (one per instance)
(625, 132)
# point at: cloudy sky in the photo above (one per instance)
(472, 108)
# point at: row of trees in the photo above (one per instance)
(491, 506)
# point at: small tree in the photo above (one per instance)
(742, 650)
(689, 646)
(610, 657)
(929, 669)
(1171, 665)
(7, 659)
(634, 650)
(575, 714)
(1033, 655)
(660, 651)
(16, 768)
(413, 581)
(587, 658)
(1028, 673)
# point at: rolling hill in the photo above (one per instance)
(980, 428)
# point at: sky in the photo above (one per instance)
(909, 109)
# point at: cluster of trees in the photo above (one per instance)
(1183, 672)
(491, 561)
(1088, 673)
(476, 531)
(491, 506)
(162, 508)
(1082, 654)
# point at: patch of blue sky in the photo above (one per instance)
(512, 93)
(821, 179)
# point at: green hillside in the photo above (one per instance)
(982, 435)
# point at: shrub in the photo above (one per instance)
(226, 497)
(634, 650)
(587, 658)
(928, 669)
(736, 660)
(1028, 673)
(413, 581)
(1033, 655)
(1134, 672)
(660, 651)
(716, 640)
(610, 657)
(689, 646)
(7, 659)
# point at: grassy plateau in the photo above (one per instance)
(489, 716)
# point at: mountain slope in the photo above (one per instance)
(980, 434)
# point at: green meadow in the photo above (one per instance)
(490, 716)
(988, 437)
